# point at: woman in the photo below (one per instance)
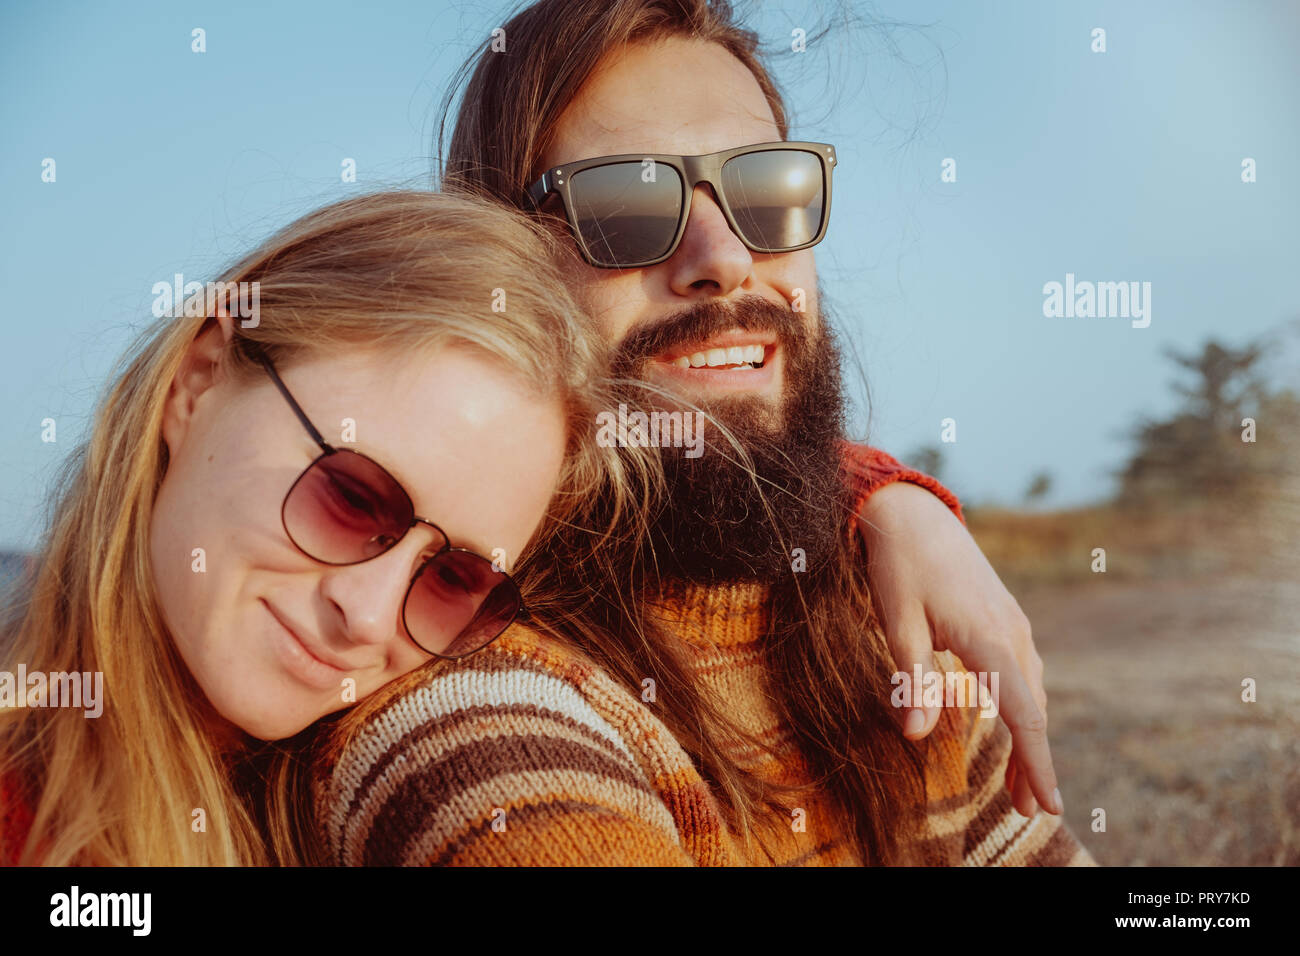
(277, 515)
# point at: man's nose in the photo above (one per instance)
(711, 258)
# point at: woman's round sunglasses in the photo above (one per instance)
(345, 509)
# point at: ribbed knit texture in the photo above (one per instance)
(870, 469)
(528, 754)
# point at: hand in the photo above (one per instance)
(937, 592)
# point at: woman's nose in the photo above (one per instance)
(368, 596)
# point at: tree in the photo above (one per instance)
(1038, 488)
(1225, 380)
(1199, 451)
(929, 459)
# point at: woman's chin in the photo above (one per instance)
(241, 720)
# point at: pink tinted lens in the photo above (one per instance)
(459, 603)
(345, 508)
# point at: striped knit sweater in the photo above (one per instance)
(527, 753)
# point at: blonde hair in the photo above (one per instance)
(401, 270)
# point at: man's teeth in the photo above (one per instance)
(743, 356)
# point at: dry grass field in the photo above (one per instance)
(1144, 671)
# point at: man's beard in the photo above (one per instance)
(721, 523)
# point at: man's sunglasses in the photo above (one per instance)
(631, 210)
(345, 508)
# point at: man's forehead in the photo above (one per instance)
(673, 96)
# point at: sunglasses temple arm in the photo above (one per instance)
(317, 437)
(538, 190)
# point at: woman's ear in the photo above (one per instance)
(195, 375)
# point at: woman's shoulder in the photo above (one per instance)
(526, 752)
(521, 678)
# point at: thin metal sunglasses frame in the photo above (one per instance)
(521, 611)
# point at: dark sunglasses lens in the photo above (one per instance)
(627, 213)
(776, 196)
(459, 604)
(345, 508)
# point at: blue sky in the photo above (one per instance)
(1115, 166)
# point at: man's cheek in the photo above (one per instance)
(613, 309)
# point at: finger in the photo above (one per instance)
(1040, 700)
(1028, 726)
(1031, 664)
(910, 644)
(1023, 798)
(1031, 669)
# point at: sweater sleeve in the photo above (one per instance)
(974, 821)
(492, 761)
(870, 469)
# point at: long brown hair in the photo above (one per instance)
(408, 271)
(827, 658)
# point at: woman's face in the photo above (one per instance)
(270, 635)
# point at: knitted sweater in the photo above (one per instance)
(527, 753)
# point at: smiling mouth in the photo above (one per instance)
(303, 645)
(733, 357)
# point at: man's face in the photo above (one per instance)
(686, 97)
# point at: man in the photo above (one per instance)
(714, 303)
